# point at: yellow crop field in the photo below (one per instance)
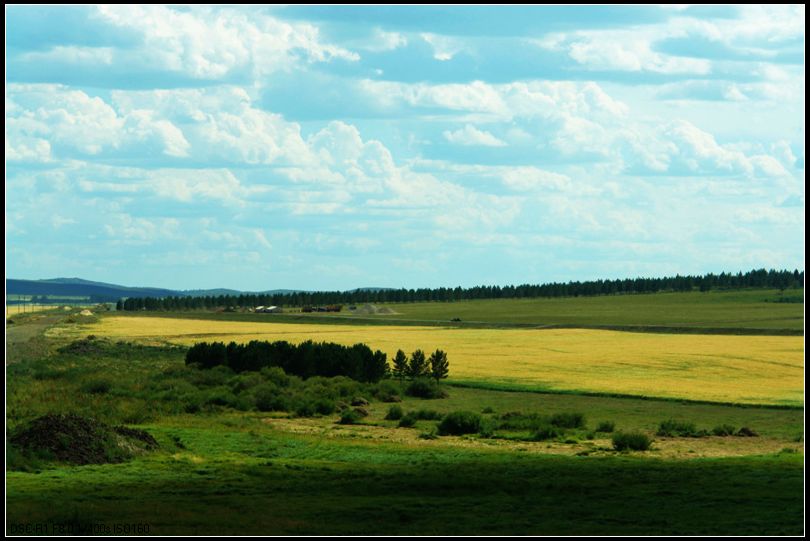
(14, 309)
(726, 368)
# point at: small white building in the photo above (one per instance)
(268, 309)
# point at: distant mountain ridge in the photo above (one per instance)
(105, 292)
(77, 287)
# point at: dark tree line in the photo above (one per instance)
(783, 279)
(305, 360)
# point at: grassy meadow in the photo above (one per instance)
(234, 476)
(720, 368)
(742, 309)
(228, 465)
(757, 311)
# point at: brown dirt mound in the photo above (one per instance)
(81, 440)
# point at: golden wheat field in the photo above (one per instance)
(727, 368)
(14, 309)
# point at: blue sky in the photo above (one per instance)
(338, 147)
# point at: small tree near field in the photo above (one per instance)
(439, 367)
(417, 366)
(400, 369)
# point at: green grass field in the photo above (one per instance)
(741, 312)
(247, 479)
(733, 309)
(225, 471)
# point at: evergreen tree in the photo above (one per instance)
(400, 369)
(417, 366)
(439, 368)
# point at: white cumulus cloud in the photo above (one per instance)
(469, 135)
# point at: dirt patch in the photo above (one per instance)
(373, 309)
(81, 440)
(25, 338)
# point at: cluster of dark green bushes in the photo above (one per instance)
(533, 426)
(304, 360)
(568, 427)
(631, 441)
(755, 278)
(187, 389)
(425, 388)
(672, 428)
(408, 420)
(120, 382)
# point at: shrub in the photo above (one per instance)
(515, 420)
(246, 381)
(636, 441)
(242, 402)
(429, 434)
(408, 421)
(342, 386)
(671, 428)
(487, 429)
(386, 391)
(220, 396)
(394, 413)
(568, 420)
(349, 417)
(460, 422)
(268, 398)
(324, 406)
(746, 432)
(214, 377)
(48, 373)
(275, 375)
(488, 409)
(362, 412)
(547, 432)
(425, 388)
(606, 426)
(192, 407)
(426, 415)
(305, 408)
(97, 386)
(723, 430)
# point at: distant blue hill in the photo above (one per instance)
(76, 287)
(104, 292)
